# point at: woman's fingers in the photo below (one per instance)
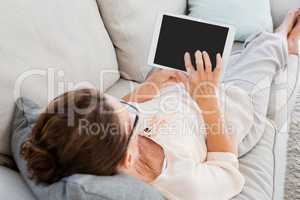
(188, 63)
(217, 70)
(208, 66)
(199, 62)
(203, 65)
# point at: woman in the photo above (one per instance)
(87, 132)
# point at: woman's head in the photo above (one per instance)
(80, 132)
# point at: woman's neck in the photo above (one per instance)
(149, 165)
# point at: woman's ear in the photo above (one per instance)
(127, 161)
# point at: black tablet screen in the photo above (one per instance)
(178, 36)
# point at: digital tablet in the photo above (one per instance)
(176, 34)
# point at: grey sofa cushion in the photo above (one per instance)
(87, 187)
(12, 186)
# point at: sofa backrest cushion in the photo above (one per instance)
(248, 17)
(48, 47)
(130, 24)
(85, 187)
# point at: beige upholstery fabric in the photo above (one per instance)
(48, 47)
(130, 24)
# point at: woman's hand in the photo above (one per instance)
(157, 80)
(201, 82)
(160, 78)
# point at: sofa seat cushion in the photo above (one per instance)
(48, 47)
(258, 168)
(12, 186)
(130, 24)
(280, 154)
(79, 186)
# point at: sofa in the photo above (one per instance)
(48, 47)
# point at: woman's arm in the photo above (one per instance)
(217, 179)
(217, 138)
(142, 93)
(157, 80)
(201, 83)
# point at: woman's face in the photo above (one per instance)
(127, 119)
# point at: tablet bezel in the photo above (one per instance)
(226, 51)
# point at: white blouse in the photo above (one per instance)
(190, 172)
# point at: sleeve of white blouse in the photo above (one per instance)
(218, 178)
(222, 175)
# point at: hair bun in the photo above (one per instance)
(40, 163)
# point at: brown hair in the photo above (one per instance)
(61, 146)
